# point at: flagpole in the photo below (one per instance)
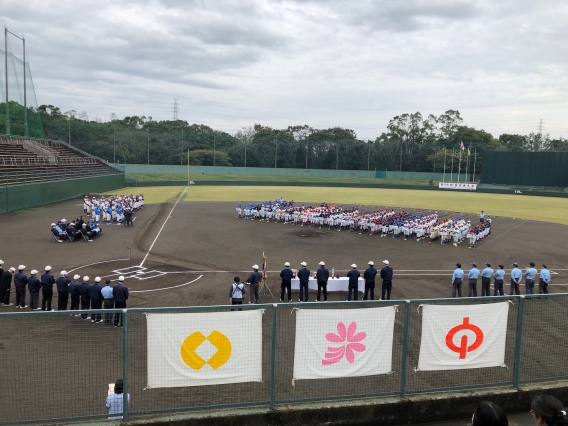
(467, 164)
(452, 169)
(474, 158)
(460, 163)
(188, 167)
(444, 179)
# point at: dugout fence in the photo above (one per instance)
(57, 367)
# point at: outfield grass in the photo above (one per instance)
(548, 209)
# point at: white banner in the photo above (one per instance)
(458, 185)
(204, 348)
(463, 336)
(343, 342)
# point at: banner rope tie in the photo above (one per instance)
(416, 369)
(418, 309)
(294, 309)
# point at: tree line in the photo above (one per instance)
(412, 142)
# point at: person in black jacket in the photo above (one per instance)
(353, 286)
(304, 276)
(34, 286)
(62, 284)
(369, 275)
(5, 284)
(286, 274)
(96, 299)
(74, 293)
(20, 282)
(85, 297)
(120, 295)
(322, 276)
(253, 281)
(47, 282)
(386, 275)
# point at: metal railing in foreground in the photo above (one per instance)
(58, 367)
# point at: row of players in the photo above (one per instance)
(116, 208)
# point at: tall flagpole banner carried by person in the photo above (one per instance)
(264, 277)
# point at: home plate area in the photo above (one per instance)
(138, 272)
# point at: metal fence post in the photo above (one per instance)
(404, 348)
(519, 337)
(125, 364)
(273, 356)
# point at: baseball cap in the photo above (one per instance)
(33, 272)
(98, 279)
(386, 262)
(488, 263)
(304, 264)
(63, 273)
(48, 268)
(515, 264)
(287, 264)
(254, 266)
(85, 278)
(76, 276)
(353, 265)
(322, 263)
(21, 267)
(371, 263)
(121, 278)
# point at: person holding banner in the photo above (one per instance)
(286, 274)
(543, 281)
(304, 277)
(486, 280)
(457, 280)
(253, 281)
(472, 277)
(322, 276)
(516, 276)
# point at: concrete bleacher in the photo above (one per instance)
(24, 160)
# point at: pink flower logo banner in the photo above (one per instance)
(349, 340)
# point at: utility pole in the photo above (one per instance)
(181, 156)
(245, 144)
(368, 154)
(6, 63)
(175, 109)
(214, 146)
(540, 127)
(114, 139)
(275, 150)
(307, 150)
(69, 129)
(25, 103)
(401, 146)
(148, 133)
(337, 156)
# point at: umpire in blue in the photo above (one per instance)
(304, 277)
(516, 276)
(369, 275)
(322, 276)
(486, 275)
(457, 280)
(386, 275)
(253, 281)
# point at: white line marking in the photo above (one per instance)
(164, 224)
(494, 238)
(96, 263)
(166, 288)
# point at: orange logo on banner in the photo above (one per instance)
(463, 348)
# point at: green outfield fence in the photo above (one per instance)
(56, 367)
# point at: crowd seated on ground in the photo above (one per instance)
(77, 230)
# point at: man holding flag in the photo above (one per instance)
(253, 281)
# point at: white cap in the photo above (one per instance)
(287, 264)
(33, 272)
(85, 278)
(63, 220)
(353, 265)
(53, 224)
(98, 279)
(386, 262)
(304, 264)
(63, 273)
(254, 266)
(48, 268)
(76, 276)
(12, 269)
(322, 263)
(21, 267)
(371, 263)
(121, 278)
(1, 262)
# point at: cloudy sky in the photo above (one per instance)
(232, 63)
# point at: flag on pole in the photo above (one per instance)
(462, 147)
(264, 274)
(468, 152)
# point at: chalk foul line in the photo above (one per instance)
(165, 288)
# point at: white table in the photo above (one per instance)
(333, 284)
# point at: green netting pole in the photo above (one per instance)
(519, 337)
(404, 349)
(125, 364)
(273, 357)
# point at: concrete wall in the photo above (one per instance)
(18, 197)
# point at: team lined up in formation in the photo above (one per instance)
(116, 209)
(385, 222)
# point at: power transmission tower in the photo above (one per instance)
(540, 127)
(176, 109)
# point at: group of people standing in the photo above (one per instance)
(116, 208)
(499, 277)
(83, 295)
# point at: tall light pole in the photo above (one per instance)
(6, 63)
(368, 154)
(148, 133)
(25, 100)
(214, 142)
(114, 140)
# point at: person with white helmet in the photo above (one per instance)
(34, 286)
(47, 282)
(120, 295)
(322, 276)
(353, 285)
(74, 292)
(20, 282)
(62, 285)
(85, 297)
(304, 277)
(369, 276)
(286, 275)
(386, 275)
(96, 299)
(5, 284)
(253, 281)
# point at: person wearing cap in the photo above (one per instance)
(108, 302)
(74, 293)
(304, 277)
(486, 275)
(5, 284)
(120, 295)
(472, 277)
(481, 217)
(516, 276)
(353, 285)
(86, 232)
(386, 275)
(47, 282)
(96, 299)
(253, 281)
(236, 292)
(530, 276)
(457, 280)
(34, 286)
(544, 280)
(499, 279)
(286, 286)
(322, 276)
(59, 236)
(62, 285)
(20, 282)
(85, 297)
(369, 275)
